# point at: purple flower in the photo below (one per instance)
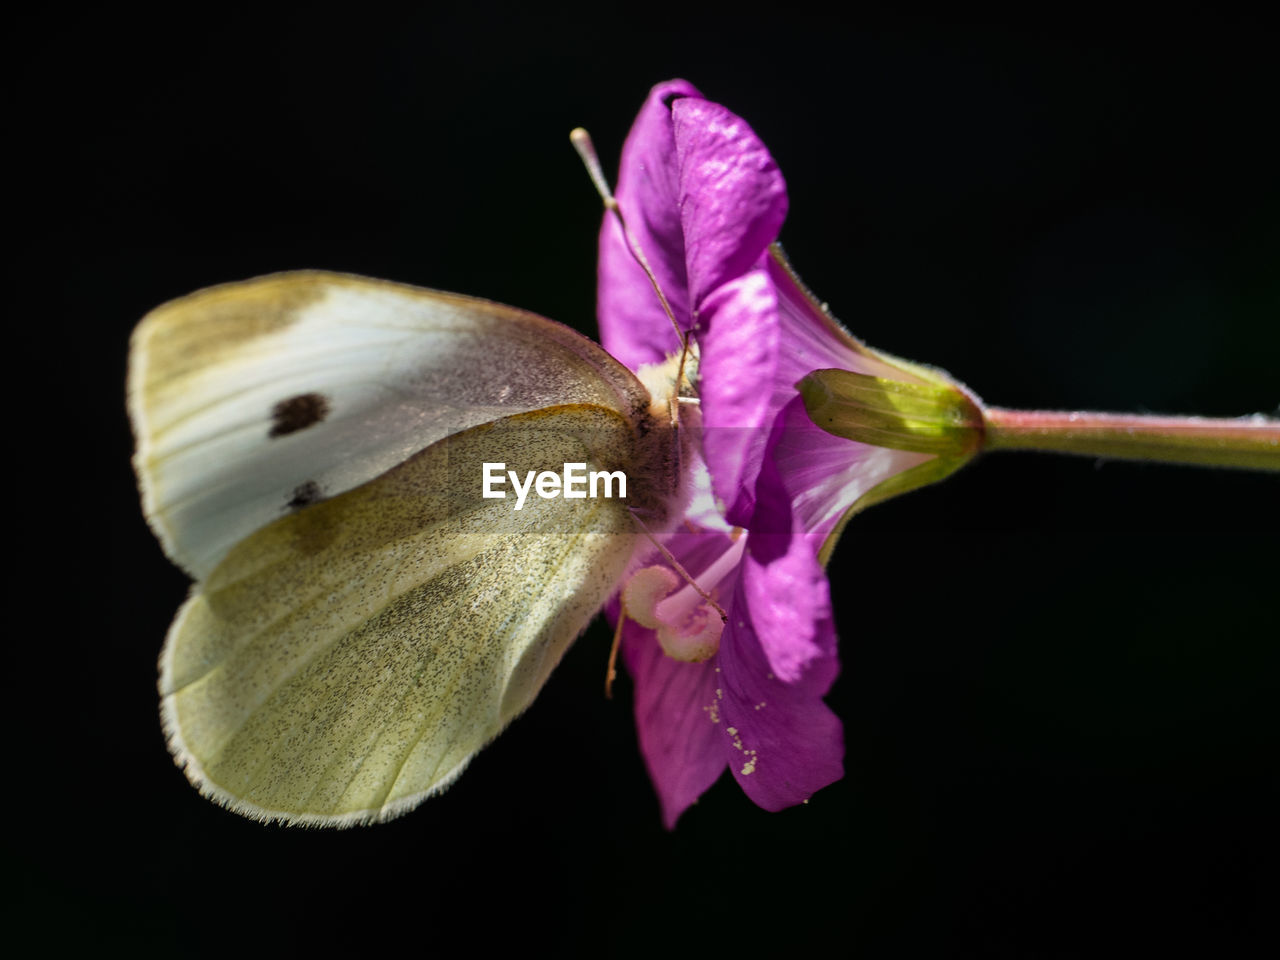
(704, 201)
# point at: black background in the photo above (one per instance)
(1059, 674)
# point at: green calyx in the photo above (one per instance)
(935, 417)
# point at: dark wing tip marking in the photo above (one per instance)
(298, 413)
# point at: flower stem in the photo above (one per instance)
(1248, 442)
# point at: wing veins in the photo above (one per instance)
(422, 730)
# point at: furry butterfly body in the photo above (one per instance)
(310, 449)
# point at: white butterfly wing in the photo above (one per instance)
(253, 399)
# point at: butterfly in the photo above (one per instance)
(310, 449)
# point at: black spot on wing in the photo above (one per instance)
(298, 413)
(304, 494)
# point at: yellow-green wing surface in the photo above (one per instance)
(345, 662)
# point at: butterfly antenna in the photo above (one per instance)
(581, 141)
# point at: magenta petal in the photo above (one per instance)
(815, 341)
(786, 593)
(633, 326)
(813, 477)
(755, 350)
(784, 743)
(732, 196)
(676, 721)
(739, 357)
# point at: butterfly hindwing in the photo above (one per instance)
(346, 661)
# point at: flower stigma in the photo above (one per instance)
(688, 626)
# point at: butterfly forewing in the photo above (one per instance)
(253, 399)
